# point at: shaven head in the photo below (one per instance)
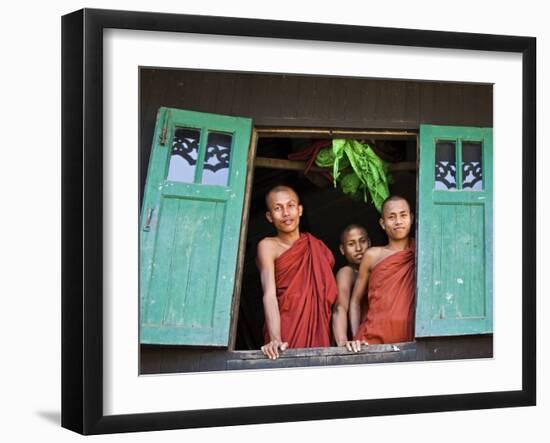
(279, 188)
(392, 198)
(284, 210)
(351, 227)
(396, 218)
(354, 241)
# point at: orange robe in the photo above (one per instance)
(389, 317)
(306, 290)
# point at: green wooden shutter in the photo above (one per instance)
(189, 227)
(455, 232)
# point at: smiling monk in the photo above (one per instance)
(297, 281)
(389, 272)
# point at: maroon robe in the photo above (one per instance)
(306, 290)
(389, 317)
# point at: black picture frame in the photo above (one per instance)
(82, 218)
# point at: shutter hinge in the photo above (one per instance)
(164, 130)
(147, 226)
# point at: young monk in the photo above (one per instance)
(354, 241)
(297, 281)
(389, 272)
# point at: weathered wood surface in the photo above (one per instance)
(301, 101)
(294, 165)
(325, 352)
(173, 359)
(454, 265)
(235, 305)
(188, 255)
(452, 348)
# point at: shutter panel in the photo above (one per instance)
(455, 230)
(190, 226)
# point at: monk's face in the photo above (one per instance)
(354, 246)
(284, 211)
(397, 219)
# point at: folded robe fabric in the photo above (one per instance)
(306, 290)
(389, 317)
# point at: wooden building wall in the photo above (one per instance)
(300, 101)
(305, 101)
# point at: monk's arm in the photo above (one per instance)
(266, 265)
(340, 308)
(358, 292)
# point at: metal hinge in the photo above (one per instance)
(164, 130)
(147, 226)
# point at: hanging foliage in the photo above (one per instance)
(368, 175)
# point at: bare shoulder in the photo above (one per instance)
(374, 252)
(344, 273)
(371, 257)
(345, 278)
(268, 249)
(266, 245)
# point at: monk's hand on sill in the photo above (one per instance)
(355, 345)
(271, 349)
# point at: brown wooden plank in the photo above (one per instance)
(148, 106)
(323, 101)
(357, 359)
(212, 360)
(176, 359)
(287, 165)
(266, 363)
(451, 348)
(149, 359)
(273, 99)
(241, 97)
(390, 100)
(337, 99)
(293, 165)
(367, 112)
(412, 103)
(183, 90)
(289, 94)
(456, 103)
(352, 109)
(330, 351)
(427, 103)
(468, 103)
(259, 95)
(474, 108)
(306, 96)
(443, 110)
(226, 92)
(359, 124)
(485, 106)
(478, 106)
(321, 111)
(209, 91)
(306, 132)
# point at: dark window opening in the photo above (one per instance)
(327, 211)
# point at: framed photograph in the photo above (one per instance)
(179, 135)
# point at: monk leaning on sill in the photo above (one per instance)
(297, 281)
(389, 272)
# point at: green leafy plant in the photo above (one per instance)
(369, 175)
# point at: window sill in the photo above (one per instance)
(332, 356)
(326, 352)
(175, 359)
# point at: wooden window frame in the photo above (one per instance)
(282, 132)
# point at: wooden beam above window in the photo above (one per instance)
(293, 165)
